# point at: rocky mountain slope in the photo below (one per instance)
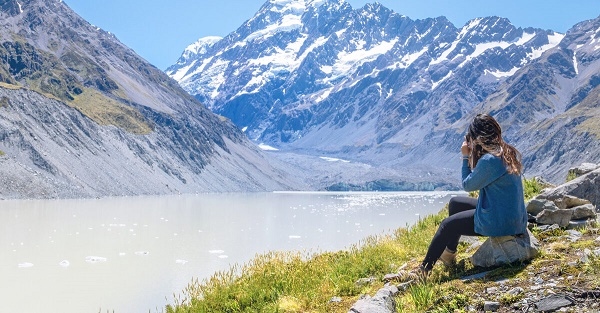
(371, 86)
(83, 116)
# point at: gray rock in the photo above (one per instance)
(475, 276)
(581, 224)
(548, 228)
(492, 306)
(553, 303)
(560, 217)
(382, 302)
(568, 202)
(365, 281)
(584, 187)
(584, 212)
(535, 206)
(573, 235)
(583, 169)
(335, 300)
(516, 291)
(497, 251)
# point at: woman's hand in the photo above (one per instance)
(465, 149)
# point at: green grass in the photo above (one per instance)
(305, 282)
(106, 111)
(532, 187)
(296, 282)
(571, 176)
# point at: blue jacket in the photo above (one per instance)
(501, 206)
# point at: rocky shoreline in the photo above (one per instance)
(561, 278)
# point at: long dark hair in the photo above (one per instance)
(485, 136)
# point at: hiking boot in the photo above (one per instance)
(417, 274)
(448, 257)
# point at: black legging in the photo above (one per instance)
(460, 221)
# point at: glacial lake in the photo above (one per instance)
(134, 254)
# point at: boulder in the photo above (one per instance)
(583, 169)
(382, 302)
(583, 212)
(535, 206)
(568, 201)
(562, 217)
(496, 251)
(584, 187)
(581, 224)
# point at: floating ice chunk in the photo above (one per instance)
(142, 253)
(216, 251)
(295, 237)
(122, 253)
(64, 263)
(25, 265)
(180, 261)
(222, 256)
(95, 259)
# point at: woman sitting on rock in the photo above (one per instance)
(493, 167)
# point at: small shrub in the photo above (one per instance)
(532, 187)
(571, 176)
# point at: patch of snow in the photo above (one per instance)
(328, 159)
(347, 61)
(409, 59)
(288, 22)
(553, 41)
(324, 95)
(499, 74)
(575, 66)
(200, 46)
(524, 39)
(265, 147)
(435, 84)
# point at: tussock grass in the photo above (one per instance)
(106, 111)
(306, 282)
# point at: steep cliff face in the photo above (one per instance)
(83, 115)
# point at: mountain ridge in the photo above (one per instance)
(84, 116)
(370, 85)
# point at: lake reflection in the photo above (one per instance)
(133, 254)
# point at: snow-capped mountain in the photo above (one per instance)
(368, 84)
(82, 115)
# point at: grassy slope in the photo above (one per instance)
(286, 282)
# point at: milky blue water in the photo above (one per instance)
(133, 254)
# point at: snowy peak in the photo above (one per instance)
(322, 77)
(198, 48)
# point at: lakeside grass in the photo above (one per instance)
(307, 282)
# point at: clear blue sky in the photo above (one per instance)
(159, 30)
